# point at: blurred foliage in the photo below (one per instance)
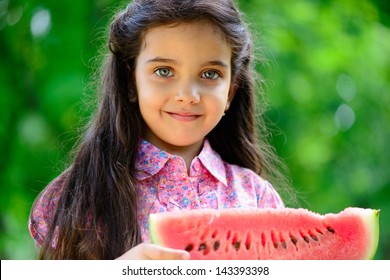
(328, 77)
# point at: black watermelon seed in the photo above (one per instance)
(284, 245)
(216, 245)
(307, 240)
(189, 248)
(330, 229)
(314, 237)
(202, 247)
(237, 245)
(248, 240)
(294, 240)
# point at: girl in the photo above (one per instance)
(175, 129)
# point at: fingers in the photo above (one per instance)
(147, 251)
(156, 252)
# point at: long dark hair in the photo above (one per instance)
(97, 213)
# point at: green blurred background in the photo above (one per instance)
(328, 83)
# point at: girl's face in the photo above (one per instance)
(183, 79)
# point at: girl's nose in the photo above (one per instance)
(188, 93)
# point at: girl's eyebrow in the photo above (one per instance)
(162, 60)
(159, 59)
(215, 63)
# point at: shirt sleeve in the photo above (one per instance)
(268, 197)
(43, 210)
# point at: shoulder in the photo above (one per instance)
(44, 207)
(266, 194)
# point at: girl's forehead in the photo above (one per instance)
(194, 29)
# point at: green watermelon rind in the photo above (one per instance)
(372, 222)
(152, 231)
(370, 218)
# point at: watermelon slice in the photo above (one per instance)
(279, 234)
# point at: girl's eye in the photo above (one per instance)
(163, 72)
(210, 75)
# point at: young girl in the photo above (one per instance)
(175, 129)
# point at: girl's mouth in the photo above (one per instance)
(184, 116)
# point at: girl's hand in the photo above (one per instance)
(147, 251)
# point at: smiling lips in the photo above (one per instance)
(183, 116)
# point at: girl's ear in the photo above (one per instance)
(232, 93)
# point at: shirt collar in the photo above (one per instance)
(150, 160)
(213, 162)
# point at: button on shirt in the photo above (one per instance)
(165, 185)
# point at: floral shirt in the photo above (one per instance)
(164, 184)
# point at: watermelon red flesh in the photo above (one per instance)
(268, 233)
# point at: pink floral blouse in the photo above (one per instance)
(164, 185)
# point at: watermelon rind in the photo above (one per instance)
(371, 219)
(152, 231)
(368, 217)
